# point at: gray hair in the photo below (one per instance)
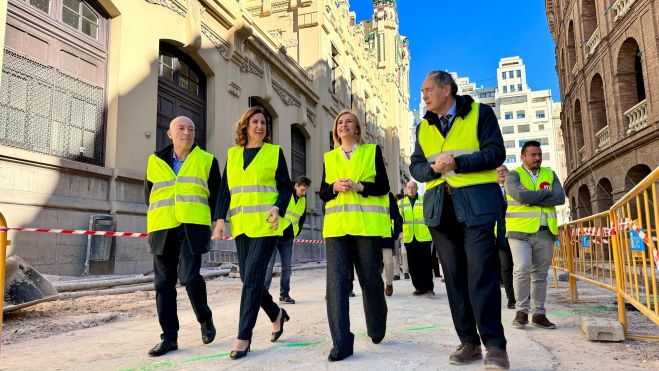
(444, 78)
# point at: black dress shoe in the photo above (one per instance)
(338, 356)
(236, 354)
(207, 332)
(284, 318)
(377, 340)
(419, 292)
(163, 347)
(511, 304)
(396, 277)
(286, 299)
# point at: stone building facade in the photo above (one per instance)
(89, 86)
(607, 60)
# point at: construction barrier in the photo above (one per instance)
(3, 256)
(617, 250)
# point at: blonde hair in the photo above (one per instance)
(240, 130)
(358, 134)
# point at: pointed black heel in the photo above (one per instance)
(237, 354)
(284, 318)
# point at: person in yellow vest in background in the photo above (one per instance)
(459, 146)
(181, 192)
(254, 194)
(532, 192)
(417, 241)
(355, 188)
(296, 213)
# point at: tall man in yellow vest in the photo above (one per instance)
(296, 213)
(417, 241)
(459, 146)
(181, 190)
(533, 192)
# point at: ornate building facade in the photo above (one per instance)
(89, 86)
(607, 60)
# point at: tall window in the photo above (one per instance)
(80, 16)
(519, 73)
(334, 65)
(510, 74)
(298, 153)
(503, 75)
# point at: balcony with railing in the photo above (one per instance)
(638, 117)
(582, 154)
(602, 138)
(621, 7)
(593, 41)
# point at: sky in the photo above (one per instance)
(470, 37)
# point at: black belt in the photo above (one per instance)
(543, 228)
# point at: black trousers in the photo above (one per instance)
(506, 259)
(419, 261)
(470, 261)
(365, 255)
(178, 262)
(435, 261)
(253, 257)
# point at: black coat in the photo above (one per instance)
(198, 236)
(477, 204)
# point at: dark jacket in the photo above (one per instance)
(502, 241)
(477, 204)
(198, 235)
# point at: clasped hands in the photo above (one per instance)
(347, 185)
(443, 163)
(272, 218)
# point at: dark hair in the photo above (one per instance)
(530, 143)
(444, 78)
(303, 181)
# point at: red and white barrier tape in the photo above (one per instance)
(112, 234)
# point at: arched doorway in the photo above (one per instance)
(603, 195)
(585, 207)
(629, 74)
(635, 175)
(181, 92)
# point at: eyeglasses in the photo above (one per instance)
(502, 171)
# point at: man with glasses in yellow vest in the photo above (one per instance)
(459, 146)
(181, 190)
(532, 192)
(296, 213)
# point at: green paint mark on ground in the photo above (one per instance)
(219, 355)
(423, 328)
(301, 344)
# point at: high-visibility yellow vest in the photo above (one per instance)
(413, 225)
(462, 139)
(524, 218)
(179, 199)
(294, 212)
(253, 191)
(350, 213)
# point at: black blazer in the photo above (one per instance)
(198, 236)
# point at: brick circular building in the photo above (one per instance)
(607, 60)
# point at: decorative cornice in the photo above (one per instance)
(248, 66)
(312, 117)
(172, 5)
(286, 97)
(234, 89)
(222, 46)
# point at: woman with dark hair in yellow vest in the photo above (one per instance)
(355, 188)
(254, 192)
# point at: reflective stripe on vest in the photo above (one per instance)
(179, 199)
(253, 191)
(524, 218)
(462, 139)
(350, 213)
(294, 212)
(413, 224)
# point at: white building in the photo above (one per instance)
(465, 87)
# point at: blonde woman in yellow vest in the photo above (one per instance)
(533, 192)
(181, 191)
(355, 188)
(459, 146)
(254, 195)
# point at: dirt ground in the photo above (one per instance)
(115, 332)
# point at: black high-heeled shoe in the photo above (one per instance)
(284, 318)
(237, 354)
